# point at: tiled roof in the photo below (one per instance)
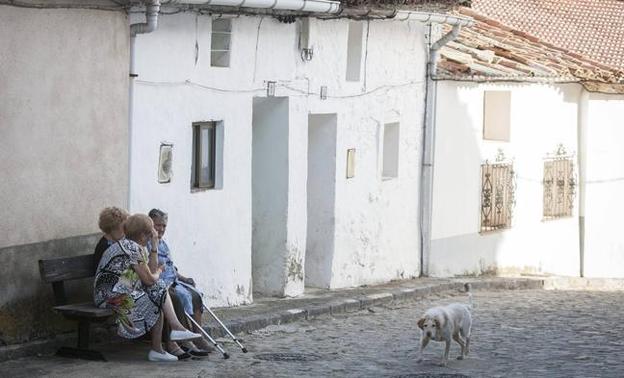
(419, 5)
(593, 28)
(490, 51)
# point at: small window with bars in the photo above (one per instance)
(559, 185)
(498, 186)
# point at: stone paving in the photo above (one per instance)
(517, 333)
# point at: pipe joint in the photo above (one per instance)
(151, 18)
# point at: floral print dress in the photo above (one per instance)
(117, 286)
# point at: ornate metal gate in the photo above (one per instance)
(498, 188)
(559, 184)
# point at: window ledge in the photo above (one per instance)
(388, 178)
(196, 190)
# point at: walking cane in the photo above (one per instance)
(214, 316)
(213, 341)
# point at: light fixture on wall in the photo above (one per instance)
(350, 163)
(165, 162)
(307, 51)
(270, 88)
(323, 92)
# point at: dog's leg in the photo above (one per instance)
(423, 343)
(466, 331)
(447, 349)
(457, 337)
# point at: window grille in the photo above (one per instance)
(498, 186)
(559, 185)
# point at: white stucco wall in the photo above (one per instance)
(377, 233)
(211, 232)
(604, 183)
(63, 121)
(541, 118)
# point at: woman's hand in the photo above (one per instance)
(154, 238)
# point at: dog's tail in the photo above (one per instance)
(468, 288)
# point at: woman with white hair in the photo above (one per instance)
(111, 222)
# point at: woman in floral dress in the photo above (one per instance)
(127, 281)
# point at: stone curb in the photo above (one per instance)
(330, 306)
(362, 302)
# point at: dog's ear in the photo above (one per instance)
(421, 323)
(437, 323)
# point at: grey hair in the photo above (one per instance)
(158, 214)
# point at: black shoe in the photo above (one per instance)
(182, 355)
(195, 352)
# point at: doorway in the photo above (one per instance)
(321, 198)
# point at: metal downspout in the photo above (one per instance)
(151, 18)
(582, 173)
(426, 186)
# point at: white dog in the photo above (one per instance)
(446, 322)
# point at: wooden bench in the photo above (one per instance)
(56, 272)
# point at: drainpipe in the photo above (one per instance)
(582, 173)
(426, 183)
(151, 23)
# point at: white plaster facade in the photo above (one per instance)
(603, 185)
(542, 116)
(221, 237)
(63, 147)
(64, 155)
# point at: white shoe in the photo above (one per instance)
(161, 357)
(184, 335)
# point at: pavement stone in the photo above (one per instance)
(315, 302)
(516, 333)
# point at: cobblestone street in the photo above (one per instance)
(522, 333)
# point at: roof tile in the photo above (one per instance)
(592, 28)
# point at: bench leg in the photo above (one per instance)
(84, 330)
(82, 351)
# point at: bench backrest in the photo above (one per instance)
(56, 271)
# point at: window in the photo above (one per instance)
(390, 150)
(204, 155)
(354, 50)
(559, 185)
(496, 115)
(220, 42)
(498, 186)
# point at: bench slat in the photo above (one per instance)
(67, 268)
(86, 309)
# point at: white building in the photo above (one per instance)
(63, 145)
(286, 148)
(535, 104)
(284, 212)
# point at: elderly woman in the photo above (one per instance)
(127, 281)
(185, 301)
(111, 223)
